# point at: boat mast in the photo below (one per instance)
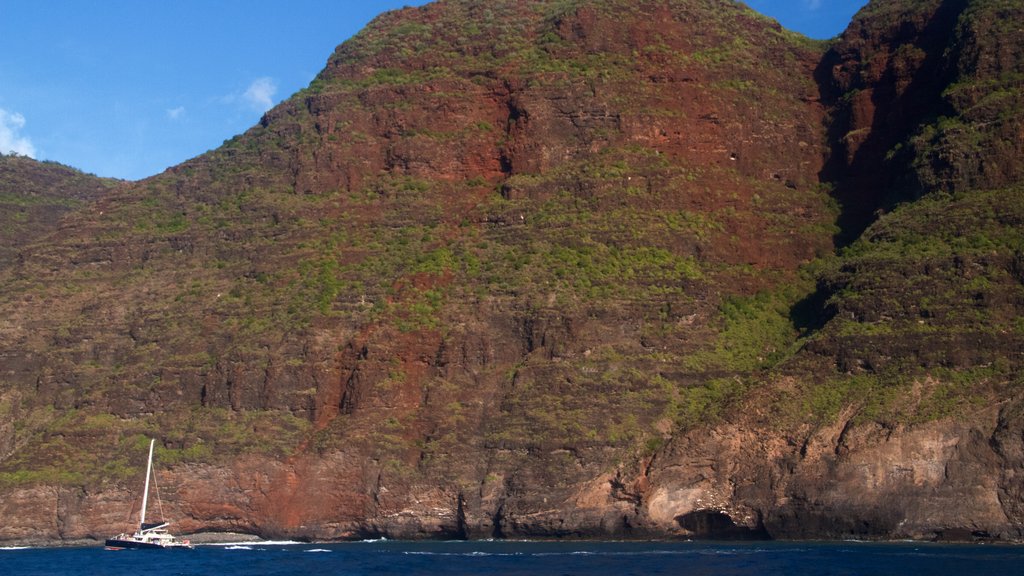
(145, 492)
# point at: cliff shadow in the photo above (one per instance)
(715, 525)
(813, 312)
(869, 167)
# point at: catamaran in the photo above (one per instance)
(148, 535)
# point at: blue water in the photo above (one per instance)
(523, 558)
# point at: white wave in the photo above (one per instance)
(614, 553)
(597, 553)
(318, 550)
(475, 553)
(254, 543)
(237, 547)
(14, 547)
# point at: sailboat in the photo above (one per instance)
(149, 535)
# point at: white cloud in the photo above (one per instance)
(176, 113)
(10, 141)
(260, 94)
(813, 4)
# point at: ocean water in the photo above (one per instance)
(522, 558)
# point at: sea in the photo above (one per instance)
(522, 558)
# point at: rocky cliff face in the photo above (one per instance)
(555, 269)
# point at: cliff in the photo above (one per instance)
(555, 269)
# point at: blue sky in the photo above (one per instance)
(127, 88)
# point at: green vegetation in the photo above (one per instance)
(896, 397)
(577, 409)
(924, 311)
(706, 404)
(966, 242)
(757, 333)
(82, 449)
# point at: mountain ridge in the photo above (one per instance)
(556, 269)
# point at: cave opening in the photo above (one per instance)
(715, 525)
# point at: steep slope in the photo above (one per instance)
(926, 97)
(936, 282)
(555, 268)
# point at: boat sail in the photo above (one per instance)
(148, 535)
